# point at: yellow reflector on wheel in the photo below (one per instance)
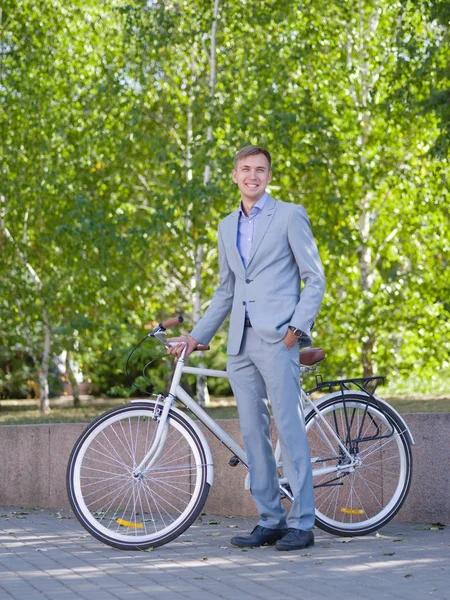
(352, 511)
(129, 524)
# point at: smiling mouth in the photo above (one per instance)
(252, 185)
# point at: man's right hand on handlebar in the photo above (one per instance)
(179, 343)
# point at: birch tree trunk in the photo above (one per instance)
(366, 279)
(202, 388)
(43, 363)
(362, 101)
(43, 367)
(73, 382)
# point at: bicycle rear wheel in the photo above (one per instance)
(136, 513)
(361, 501)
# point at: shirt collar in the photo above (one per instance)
(259, 205)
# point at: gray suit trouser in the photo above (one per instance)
(264, 369)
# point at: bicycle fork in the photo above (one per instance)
(152, 455)
(163, 426)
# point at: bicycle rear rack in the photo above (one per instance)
(365, 384)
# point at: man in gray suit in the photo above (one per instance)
(266, 250)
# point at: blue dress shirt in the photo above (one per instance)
(247, 227)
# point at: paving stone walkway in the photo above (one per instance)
(47, 555)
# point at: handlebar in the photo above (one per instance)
(171, 322)
(161, 328)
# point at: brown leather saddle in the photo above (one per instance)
(311, 356)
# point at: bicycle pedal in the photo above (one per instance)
(234, 461)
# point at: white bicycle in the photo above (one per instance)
(139, 475)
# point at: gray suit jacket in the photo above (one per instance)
(283, 254)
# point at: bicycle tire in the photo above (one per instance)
(362, 501)
(129, 513)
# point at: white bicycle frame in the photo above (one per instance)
(177, 392)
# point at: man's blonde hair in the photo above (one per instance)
(251, 151)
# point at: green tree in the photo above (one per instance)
(356, 152)
(67, 230)
(119, 125)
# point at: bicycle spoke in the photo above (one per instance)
(156, 496)
(119, 504)
(374, 488)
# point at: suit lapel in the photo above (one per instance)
(232, 234)
(263, 224)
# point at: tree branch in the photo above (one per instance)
(141, 178)
(21, 255)
(386, 241)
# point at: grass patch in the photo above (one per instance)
(58, 414)
(62, 411)
(420, 405)
(437, 384)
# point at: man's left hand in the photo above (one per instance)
(289, 339)
(178, 344)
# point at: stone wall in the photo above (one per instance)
(33, 460)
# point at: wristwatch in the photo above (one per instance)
(297, 332)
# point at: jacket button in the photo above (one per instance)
(244, 303)
(247, 280)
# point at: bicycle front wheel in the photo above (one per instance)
(120, 509)
(358, 501)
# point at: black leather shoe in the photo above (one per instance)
(295, 539)
(260, 536)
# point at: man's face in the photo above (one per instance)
(252, 176)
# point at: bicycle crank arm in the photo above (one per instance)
(286, 491)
